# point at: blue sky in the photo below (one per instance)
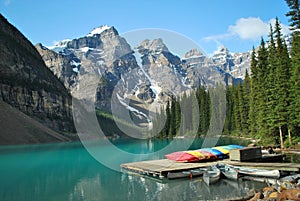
(236, 24)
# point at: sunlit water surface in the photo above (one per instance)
(66, 171)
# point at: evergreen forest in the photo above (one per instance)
(265, 106)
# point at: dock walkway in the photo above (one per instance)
(160, 168)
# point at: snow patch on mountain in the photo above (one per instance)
(98, 30)
(59, 46)
(85, 49)
(128, 107)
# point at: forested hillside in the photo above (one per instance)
(266, 106)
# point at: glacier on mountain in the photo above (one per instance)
(98, 30)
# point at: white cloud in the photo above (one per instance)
(249, 28)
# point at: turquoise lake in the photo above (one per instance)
(67, 171)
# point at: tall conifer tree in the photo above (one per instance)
(282, 84)
(271, 84)
(262, 71)
(253, 94)
(294, 108)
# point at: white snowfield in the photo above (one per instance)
(98, 30)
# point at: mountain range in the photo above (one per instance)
(38, 82)
(141, 78)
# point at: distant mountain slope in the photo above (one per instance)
(19, 128)
(29, 86)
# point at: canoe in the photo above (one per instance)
(212, 175)
(228, 171)
(291, 178)
(209, 155)
(233, 146)
(257, 172)
(260, 173)
(214, 153)
(221, 149)
(190, 156)
(198, 154)
(182, 156)
(225, 150)
(269, 181)
(186, 174)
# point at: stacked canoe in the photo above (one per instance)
(214, 153)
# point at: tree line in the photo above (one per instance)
(188, 114)
(265, 106)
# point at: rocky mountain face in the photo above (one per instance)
(223, 67)
(28, 85)
(140, 79)
(99, 57)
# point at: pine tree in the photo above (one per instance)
(294, 14)
(177, 116)
(200, 94)
(172, 129)
(217, 109)
(185, 109)
(253, 94)
(262, 71)
(243, 92)
(237, 107)
(271, 84)
(168, 121)
(294, 97)
(228, 125)
(245, 98)
(195, 113)
(203, 98)
(282, 83)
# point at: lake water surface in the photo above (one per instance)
(66, 171)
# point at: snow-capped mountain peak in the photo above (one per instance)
(60, 45)
(98, 30)
(221, 50)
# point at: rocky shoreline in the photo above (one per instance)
(287, 188)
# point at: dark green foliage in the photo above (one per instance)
(253, 94)
(177, 117)
(246, 103)
(203, 98)
(229, 125)
(265, 102)
(271, 81)
(172, 126)
(186, 115)
(294, 14)
(167, 129)
(294, 95)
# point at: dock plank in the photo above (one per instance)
(163, 166)
(290, 167)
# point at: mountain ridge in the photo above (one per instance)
(135, 77)
(29, 86)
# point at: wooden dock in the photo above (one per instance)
(160, 168)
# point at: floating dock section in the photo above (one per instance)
(161, 168)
